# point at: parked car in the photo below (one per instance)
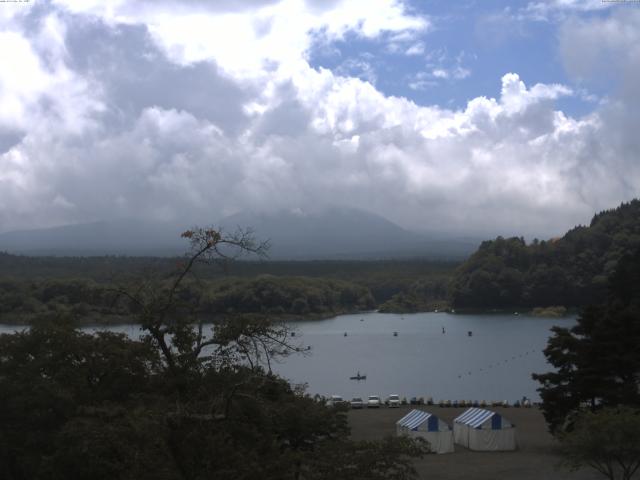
(373, 401)
(393, 401)
(356, 402)
(335, 400)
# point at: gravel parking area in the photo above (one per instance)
(534, 459)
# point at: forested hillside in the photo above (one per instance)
(570, 271)
(84, 286)
(90, 302)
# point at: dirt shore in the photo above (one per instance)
(534, 459)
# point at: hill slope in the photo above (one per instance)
(570, 271)
(337, 233)
(121, 237)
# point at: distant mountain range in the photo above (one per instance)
(119, 237)
(335, 233)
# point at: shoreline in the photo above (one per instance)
(291, 318)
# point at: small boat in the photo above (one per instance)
(358, 377)
(395, 334)
(345, 334)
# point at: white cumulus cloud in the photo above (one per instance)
(178, 111)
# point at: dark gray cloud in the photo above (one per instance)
(9, 138)
(136, 75)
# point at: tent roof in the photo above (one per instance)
(474, 417)
(413, 419)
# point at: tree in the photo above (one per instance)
(597, 361)
(56, 380)
(607, 441)
(183, 403)
(569, 271)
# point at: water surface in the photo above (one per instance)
(495, 363)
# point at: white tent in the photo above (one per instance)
(429, 427)
(479, 429)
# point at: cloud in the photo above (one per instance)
(121, 116)
(266, 34)
(606, 52)
(415, 49)
(358, 67)
(440, 68)
(559, 9)
(39, 85)
(610, 46)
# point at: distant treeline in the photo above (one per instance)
(570, 271)
(91, 302)
(87, 287)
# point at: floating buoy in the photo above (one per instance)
(293, 334)
(395, 334)
(469, 333)
(345, 334)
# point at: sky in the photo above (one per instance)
(472, 117)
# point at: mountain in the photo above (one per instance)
(337, 233)
(572, 271)
(120, 237)
(334, 233)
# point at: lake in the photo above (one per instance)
(495, 363)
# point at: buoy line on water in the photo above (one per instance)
(498, 363)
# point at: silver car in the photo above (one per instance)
(373, 401)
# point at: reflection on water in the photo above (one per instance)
(432, 355)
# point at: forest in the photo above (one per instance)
(571, 271)
(87, 288)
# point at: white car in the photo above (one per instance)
(373, 401)
(393, 401)
(335, 400)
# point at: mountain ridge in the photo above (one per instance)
(333, 233)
